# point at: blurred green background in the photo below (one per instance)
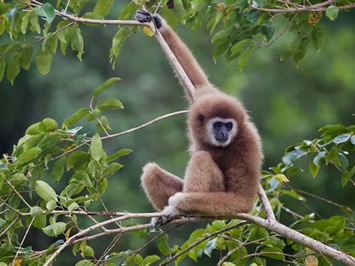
(287, 103)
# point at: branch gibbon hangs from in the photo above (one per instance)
(223, 174)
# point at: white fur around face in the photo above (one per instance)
(231, 134)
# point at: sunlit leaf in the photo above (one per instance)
(103, 7)
(58, 169)
(45, 191)
(82, 112)
(13, 68)
(44, 60)
(108, 83)
(46, 11)
(332, 12)
(96, 148)
(28, 156)
(118, 154)
(109, 103)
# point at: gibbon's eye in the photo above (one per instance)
(201, 118)
(229, 126)
(217, 125)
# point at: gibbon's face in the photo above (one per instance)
(221, 131)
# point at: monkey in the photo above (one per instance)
(223, 174)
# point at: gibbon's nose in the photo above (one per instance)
(221, 136)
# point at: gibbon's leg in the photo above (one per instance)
(159, 185)
(226, 204)
(203, 175)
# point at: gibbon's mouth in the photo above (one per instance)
(221, 139)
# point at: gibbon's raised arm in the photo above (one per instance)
(182, 53)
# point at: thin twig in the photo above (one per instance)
(9, 226)
(18, 194)
(23, 240)
(146, 124)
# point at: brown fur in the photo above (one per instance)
(219, 181)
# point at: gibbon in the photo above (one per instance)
(223, 173)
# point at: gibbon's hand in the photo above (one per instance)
(143, 16)
(168, 213)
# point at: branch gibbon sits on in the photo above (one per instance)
(223, 174)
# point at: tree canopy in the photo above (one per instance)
(56, 183)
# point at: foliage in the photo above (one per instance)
(238, 27)
(32, 198)
(55, 175)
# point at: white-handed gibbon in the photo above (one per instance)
(223, 174)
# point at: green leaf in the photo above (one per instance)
(104, 123)
(58, 169)
(109, 103)
(82, 112)
(317, 38)
(118, 154)
(270, 252)
(341, 138)
(253, 15)
(4, 8)
(44, 60)
(35, 211)
(211, 245)
(239, 46)
(2, 68)
(352, 140)
(46, 11)
(117, 44)
(84, 263)
(50, 124)
(332, 12)
(268, 31)
(244, 58)
(347, 176)
(28, 156)
(77, 159)
(88, 251)
(222, 36)
(112, 169)
(163, 245)
(313, 168)
(59, 228)
(128, 11)
(26, 57)
(45, 191)
(77, 42)
(103, 185)
(333, 156)
(13, 68)
(103, 7)
(96, 148)
(104, 86)
(51, 205)
(150, 259)
(72, 207)
(18, 178)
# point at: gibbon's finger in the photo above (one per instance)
(143, 16)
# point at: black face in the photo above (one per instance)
(221, 130)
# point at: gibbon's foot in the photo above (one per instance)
(168, 214)
(143, 16)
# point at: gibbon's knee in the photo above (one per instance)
(159, 185)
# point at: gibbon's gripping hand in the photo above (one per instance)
(168, 213)
(143, 16)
